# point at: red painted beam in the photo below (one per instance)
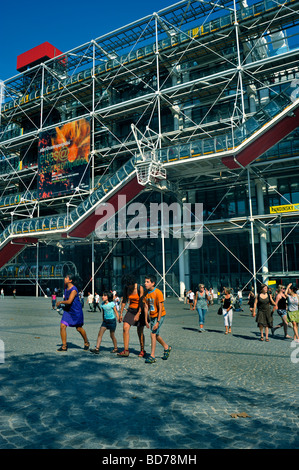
(263, 143)
(87, 226)
(12, 248)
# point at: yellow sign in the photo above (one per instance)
(271, 283)
(286, 208)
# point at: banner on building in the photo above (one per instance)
(63, 154)
(285, 208)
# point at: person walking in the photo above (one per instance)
(293, 309)
(155, 307)
(263, 312)
(96, 302)
(240, 298)
(191, 299)
(201, 303)
(211, 295)
(227, 310)
(81, 297)
(73, 313)
(281, 307)
(53, 297)
(90, 301)
(133, 295)
(116, 300)
(251, 300)
(110, 314)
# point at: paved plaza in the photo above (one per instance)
(215, 391)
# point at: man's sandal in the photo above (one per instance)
(166, 353)
(150, 360)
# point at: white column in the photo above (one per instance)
(181, 267)
(262, 232)
(251, 231)
(184, 268)
(92, 264)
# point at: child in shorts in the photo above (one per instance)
(110, 314)
(154, 306)
(53, 301)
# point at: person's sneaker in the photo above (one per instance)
(150, 360)
(95, 351)
(166, 353)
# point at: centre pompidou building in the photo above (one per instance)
(197, 103)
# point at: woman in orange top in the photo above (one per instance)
(134, 295)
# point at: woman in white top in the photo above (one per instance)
(191, 299)
(293, 309)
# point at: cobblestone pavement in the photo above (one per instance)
(76, 400)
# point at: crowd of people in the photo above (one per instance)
(284, 301)
(143, 307)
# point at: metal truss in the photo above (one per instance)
(196, 69)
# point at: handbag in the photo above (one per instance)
(219, 312)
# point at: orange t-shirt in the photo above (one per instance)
(154, 298)
(133, 300)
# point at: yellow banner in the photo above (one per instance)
(286, 208)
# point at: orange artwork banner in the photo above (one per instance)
(63, 157)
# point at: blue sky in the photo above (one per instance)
(66, 25)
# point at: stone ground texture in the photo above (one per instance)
(76, 400)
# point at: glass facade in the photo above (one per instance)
(194, 96)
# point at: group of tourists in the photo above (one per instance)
(262, 307)
(145, 308)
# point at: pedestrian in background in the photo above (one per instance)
(191, 298)
(293, 309)
(90, 301)
(53, 297)
(227, 310)
(96, 302)
(81, 297)
(251, 300)
(263, 312)
(281, 307)
(201, 303)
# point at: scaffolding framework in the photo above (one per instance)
(191, 84)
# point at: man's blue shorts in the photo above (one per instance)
(153, 322)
